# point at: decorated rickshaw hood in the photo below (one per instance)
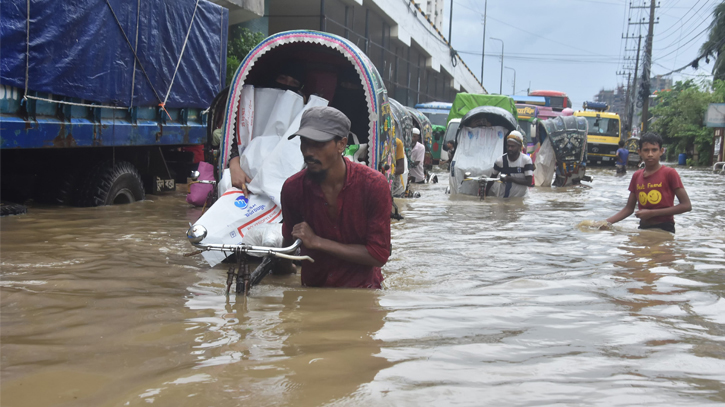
(375, 92)
(495, 115)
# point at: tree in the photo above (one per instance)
(679, 117)
(241, 41)
(715, 44)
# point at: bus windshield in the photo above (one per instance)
(437, 118)
(526, 126)
(603, 127)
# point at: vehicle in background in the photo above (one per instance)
(528, 115)
(562, 155)
(554, 99)
(89, 119)
(464, 102)
(529, 100)
(450, 135)
(632, 145)
(437, 114)
(604, 132)
(480, 141)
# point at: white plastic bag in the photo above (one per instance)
(545, 165)
(232, 216)
(267, 235)
(477, 151)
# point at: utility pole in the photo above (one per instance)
(647, 64)
(626, 101)
(483, 48)
(450, 26)
(634, 86)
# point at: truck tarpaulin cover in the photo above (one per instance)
(78, 50)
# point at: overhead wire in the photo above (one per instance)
(659, 37)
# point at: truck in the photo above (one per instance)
(604, 132)
(98, 99)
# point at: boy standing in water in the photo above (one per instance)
(654, 187)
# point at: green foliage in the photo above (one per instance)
(241, 41)
(717, 33)
(679, 117)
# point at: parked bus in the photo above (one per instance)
(555, 99)
(604, 132)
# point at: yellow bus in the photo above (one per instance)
(604, 133)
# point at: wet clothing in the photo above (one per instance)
(398, 181)
(622, 156)
(363, 217)
(666, 226)
(416, 171)
(621, 163)
(519, 168)
(656, 191)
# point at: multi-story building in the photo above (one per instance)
(402, 38)
(615, 98)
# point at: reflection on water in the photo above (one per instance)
(495, 302)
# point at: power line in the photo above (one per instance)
(682, 46)
(683, 24)
(683, 16)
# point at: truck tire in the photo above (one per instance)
(109, 184)
(7, 208)
(58, 188)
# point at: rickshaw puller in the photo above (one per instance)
(339, 209)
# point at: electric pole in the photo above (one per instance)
(483, 49)
(630, 119)
(646, 65)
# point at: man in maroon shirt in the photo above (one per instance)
(339, 209)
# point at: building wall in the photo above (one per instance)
(411, 56)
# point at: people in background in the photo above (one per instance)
(516, 169)
(417, 155)
(621, 159)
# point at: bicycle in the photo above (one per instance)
(240, 271)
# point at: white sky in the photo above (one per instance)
(574, 46)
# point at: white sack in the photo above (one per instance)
(267, 235)
(476, 152)
(232, 216)
(545, 165)
(284, 160)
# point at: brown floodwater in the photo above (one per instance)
(485, 303)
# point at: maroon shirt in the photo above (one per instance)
(656, 191)
(363, 217)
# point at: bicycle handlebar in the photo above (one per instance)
(197, 233)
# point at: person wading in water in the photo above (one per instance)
(339, 209)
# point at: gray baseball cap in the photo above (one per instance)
(323, 123)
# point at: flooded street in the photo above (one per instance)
(485, 303)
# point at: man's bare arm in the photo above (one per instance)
(354, 253)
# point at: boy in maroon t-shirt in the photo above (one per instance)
(654, 187)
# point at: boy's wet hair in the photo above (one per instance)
(621, 143)
(652, 138)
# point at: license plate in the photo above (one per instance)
(605, 158)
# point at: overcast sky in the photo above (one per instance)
(574, 46)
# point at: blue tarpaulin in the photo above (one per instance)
(78, 50)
